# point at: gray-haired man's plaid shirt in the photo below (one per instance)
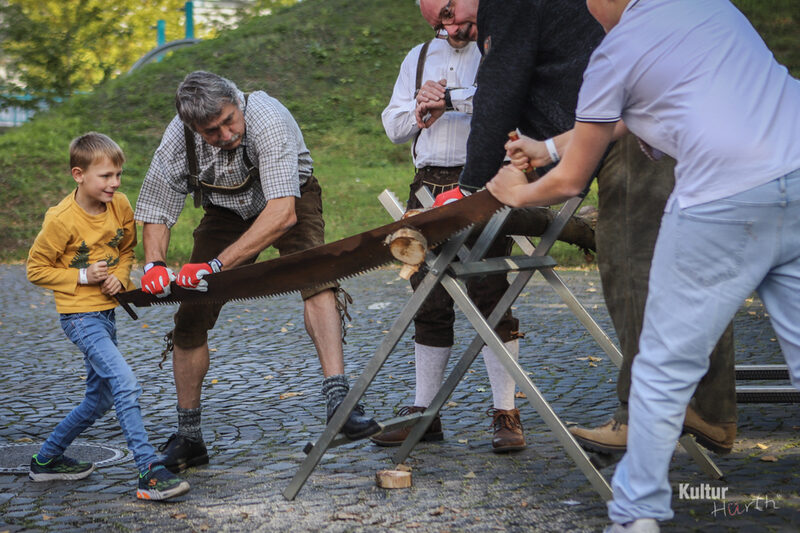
(274, 143)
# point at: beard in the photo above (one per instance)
(463, 33)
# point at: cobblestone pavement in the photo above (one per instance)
(262, 404)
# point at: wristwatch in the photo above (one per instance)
(151, 264)
(448, 102)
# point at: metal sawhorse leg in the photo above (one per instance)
(471, 264)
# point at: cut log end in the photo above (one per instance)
(408, 246)
(393, 479)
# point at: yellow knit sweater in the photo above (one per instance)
(72, 239)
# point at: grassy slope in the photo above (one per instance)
(331, 62)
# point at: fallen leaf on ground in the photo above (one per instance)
(179, 516)
(214, 381)
(463, 441)
(268, 377)
(346, 516)
(289, 395)
(761, 446)
(439, 510)
(469, 475)
(403, 468)
(520, 394)
(284, 330)
(451, 404)
(769, 458)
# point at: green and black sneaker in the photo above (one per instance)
(61, 467)
(158, 483)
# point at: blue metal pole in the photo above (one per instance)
(161, 32)
(161, 35)
(189, 9)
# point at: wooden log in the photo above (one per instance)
(533, 221)
(408, 246)
(393, 479)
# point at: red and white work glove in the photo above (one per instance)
(156, 279)
(450, 196)
(191, 275)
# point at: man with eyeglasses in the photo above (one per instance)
(534, 55)
(440, 71)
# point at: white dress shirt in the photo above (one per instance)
(444, 144)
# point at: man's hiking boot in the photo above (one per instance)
(182, 452)
(358, 425)
(508, 436)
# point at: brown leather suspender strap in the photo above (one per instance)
(423, 54)
(198, 187)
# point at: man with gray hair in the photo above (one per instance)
(243, 158)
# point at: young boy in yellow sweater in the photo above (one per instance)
(84, 253)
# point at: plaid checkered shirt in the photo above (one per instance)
(274, 144)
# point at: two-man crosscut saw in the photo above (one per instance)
(330, 262)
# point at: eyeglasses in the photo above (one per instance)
(441, 33)
(446, 16)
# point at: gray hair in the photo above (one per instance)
(202, 95)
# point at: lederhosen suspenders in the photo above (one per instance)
(198, 187)
(423, 54)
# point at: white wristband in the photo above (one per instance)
(551, 149)
(83, 279)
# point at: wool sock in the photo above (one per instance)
(334, 388)
(189, 423)
(430, 362)
(502, 383)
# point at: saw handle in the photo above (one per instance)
(128, 309)
(514, 136)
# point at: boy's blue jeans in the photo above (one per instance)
(109, 381)
(708, 259)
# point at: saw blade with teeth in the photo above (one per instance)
(327, 263)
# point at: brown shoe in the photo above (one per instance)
(508, 436)
(397, 436)
(716, 437)
(611, 437)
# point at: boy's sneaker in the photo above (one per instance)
(61, 467)
(158, 483)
